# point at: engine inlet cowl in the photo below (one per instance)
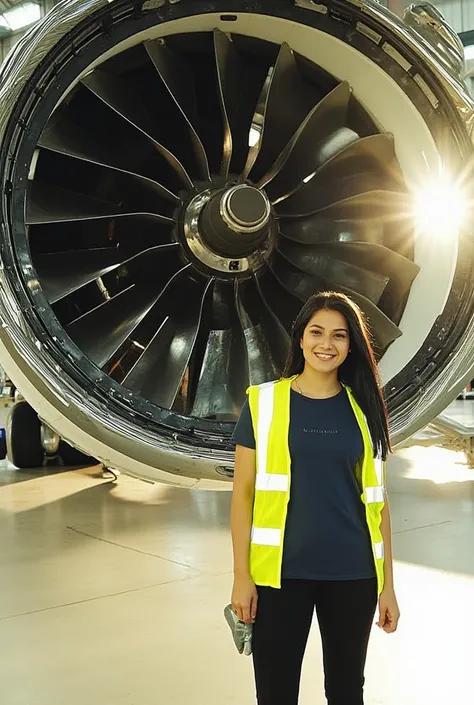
(178, 178)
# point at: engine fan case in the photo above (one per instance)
(359, 42)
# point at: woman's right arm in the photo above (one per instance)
(244, 593)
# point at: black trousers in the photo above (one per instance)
(345, 610)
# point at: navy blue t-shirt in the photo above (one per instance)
(326, 533)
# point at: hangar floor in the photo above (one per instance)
(111, 593)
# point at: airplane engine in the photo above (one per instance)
(177, 177)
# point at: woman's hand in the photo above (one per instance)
(389, 614)
(244, 599)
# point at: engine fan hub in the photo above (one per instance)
(235, 221)
(245, 209)
(230, 230)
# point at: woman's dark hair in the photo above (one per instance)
(359, 369)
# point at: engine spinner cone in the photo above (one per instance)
(235, 221)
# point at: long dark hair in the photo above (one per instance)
(359, 369)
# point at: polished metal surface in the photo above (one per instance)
(323, 127)
(101, 331)
(427, 21)
(345, 236)
(171, 69)
(363, 166)
(197, 245)
(224, 353)
(49, 440)
(288, 101)
(239, 91)
(123, 100)
(251, 215)
(160, 371)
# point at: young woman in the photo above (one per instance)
(310, 514)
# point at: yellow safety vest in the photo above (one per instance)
(270, 410)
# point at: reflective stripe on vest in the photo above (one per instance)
(266, 537)
(270, 410)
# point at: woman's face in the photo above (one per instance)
(325, 341)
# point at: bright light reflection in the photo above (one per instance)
(254, 136)
(441, 208)
(35, 492)
(438, 465)
(469, 52)
(21, 16)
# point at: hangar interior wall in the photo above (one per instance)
(459, 13)
(6, 43)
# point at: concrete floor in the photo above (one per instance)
(111, 593)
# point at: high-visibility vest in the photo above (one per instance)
(270, 410)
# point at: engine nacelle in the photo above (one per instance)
(178, 177)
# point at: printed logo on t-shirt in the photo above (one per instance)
(320, 430)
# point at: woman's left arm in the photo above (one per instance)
(389, 613)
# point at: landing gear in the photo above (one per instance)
(23, 436)
(72, 456)
(31, 444)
